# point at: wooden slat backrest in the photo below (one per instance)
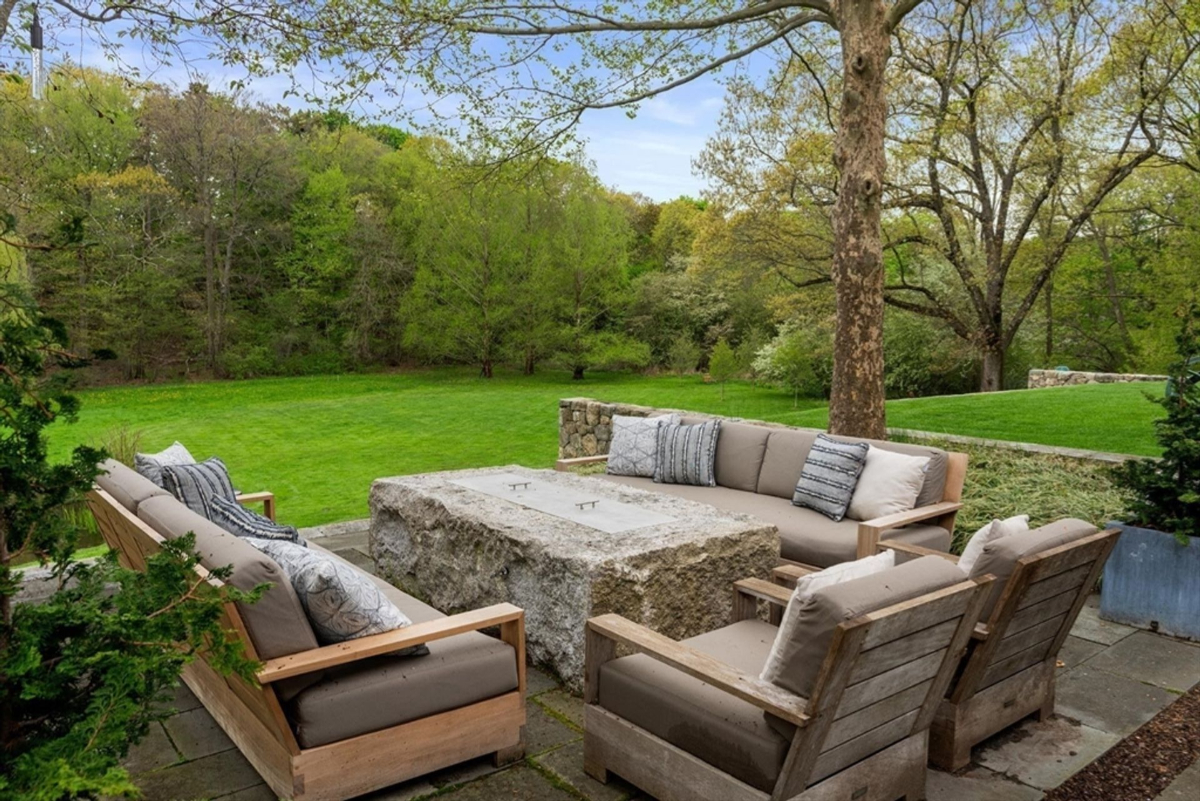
(135, 542)
(881, 682)
(1035, 613)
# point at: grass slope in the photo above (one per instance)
(318, 442)
(1101, 417)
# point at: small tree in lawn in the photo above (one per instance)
(83, 674)
(722, 364)
(787, 360)
(1166, 492)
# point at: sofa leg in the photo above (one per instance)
(592, 763)
(514, 753)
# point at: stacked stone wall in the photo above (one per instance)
(1039, 379)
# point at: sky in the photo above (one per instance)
(651, 154)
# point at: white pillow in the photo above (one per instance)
(807, 587)
(890, 483)
(150, 465)
(989, 533)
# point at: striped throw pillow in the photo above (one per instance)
(195, 485)
(830, 475)
(686, 454)
(242, 522)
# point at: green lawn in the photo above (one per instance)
(1100, 417)
(318, 442)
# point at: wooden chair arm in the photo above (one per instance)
(267, 499)
(869, 531)
(699, 665)
(763, 590)
(788, 575)
(285, 667)
(914, 550)
(563, 465)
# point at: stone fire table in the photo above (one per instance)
(564, 548)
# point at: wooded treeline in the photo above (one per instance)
(195, 233)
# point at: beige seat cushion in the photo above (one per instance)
(804, 535)
(807, 629)
(1000, 556)
(126, 486)
(740, 449)
(276, 624)
(727, 733)
(389, 690)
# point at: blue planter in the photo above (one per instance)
(1153, 582)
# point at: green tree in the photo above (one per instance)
(684, 354)
(1165, 493)
(466, 296)
(320, 265)
(722, 364)
(84, 674)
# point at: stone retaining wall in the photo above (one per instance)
(1064, 378)
(585, 429)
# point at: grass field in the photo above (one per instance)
(318, 442)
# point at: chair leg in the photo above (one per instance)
(1047, 708)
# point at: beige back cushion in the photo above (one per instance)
(1000, 556)
(126, 486)
(276, 624)
(740, 449)
(787, 448)
(805, 634)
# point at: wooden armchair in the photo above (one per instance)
(1009, 670)
(862, 733)
(253, 714)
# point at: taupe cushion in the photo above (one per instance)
(727, 733)
(787, 450)
(389, 690)
(276, 624)
(1000, 557)
(807, 629)
(126, 486)
(804, 535)
(740, 449)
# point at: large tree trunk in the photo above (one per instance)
(856, 400)
(992, 377)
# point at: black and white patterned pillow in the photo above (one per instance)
(195, 485)
(830, 475)
(340, 602)
(242, 522)
(633, 450)
(686, 454)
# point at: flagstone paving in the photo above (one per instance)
(1113, 678)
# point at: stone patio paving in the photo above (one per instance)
(1113, 679)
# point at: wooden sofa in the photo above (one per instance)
(693, 720)
(757, 467)
(1043, 578)
(334, 721)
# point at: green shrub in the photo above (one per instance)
(83, 674)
